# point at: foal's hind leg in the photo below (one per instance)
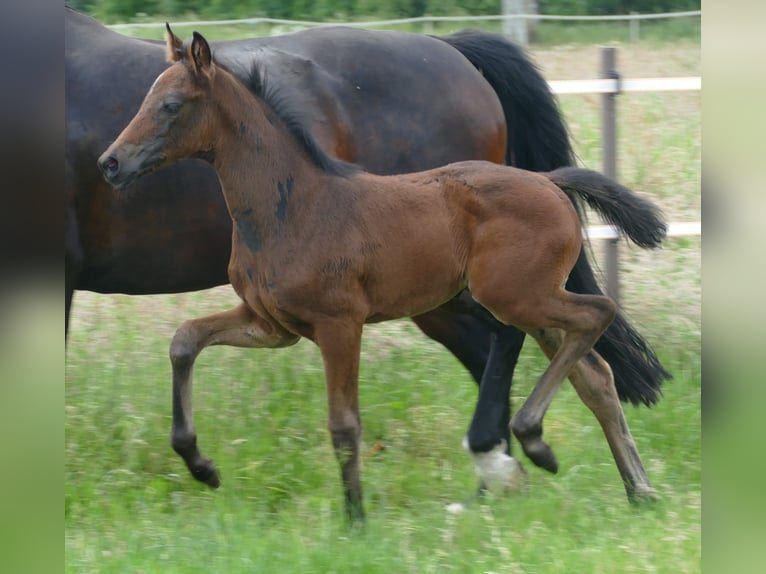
(592, 379)
(238, 327)
(583, 318)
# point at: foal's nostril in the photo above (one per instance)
(110, 166)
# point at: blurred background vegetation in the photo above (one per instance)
(121, 10)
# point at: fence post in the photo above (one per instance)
(634, 27)
(609, 143)
(515, 28)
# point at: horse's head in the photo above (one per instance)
(172, 121)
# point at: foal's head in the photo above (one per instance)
(174, 119)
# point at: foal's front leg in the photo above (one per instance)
(340, 344)
(238, 327)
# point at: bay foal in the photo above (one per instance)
(320, 248)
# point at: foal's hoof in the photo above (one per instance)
(645, 495)
(205, 471)
(540, 454)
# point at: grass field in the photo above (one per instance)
(132, 507)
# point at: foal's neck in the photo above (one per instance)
(256, 156)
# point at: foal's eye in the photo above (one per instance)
(171, 107)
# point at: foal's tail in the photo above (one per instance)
(638, 373)
(639, 218)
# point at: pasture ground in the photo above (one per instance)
(130, 505)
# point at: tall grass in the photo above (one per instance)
(131, 506)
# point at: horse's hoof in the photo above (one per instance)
(498, 472)
(456, 508)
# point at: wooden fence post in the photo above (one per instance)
(515, 28)
(609, 144)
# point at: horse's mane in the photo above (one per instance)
(290, 109)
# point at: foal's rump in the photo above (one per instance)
(517, 218)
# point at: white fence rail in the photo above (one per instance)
(421, 19)
(615, 86)
(676, 229)
(610, 86)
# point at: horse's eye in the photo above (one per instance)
(171, 107)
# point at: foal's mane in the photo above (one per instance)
(294, 111)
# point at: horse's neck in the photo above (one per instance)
(257, 159)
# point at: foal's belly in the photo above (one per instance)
(410, 304)
(413, 285)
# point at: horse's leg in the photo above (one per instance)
(68, 295)
(464, 335)
(593, 380)
(238, 327)
(73, 260)
(489, 350)
(488, 437)
(340, 344)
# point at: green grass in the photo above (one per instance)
(551, 32)
(130, 505)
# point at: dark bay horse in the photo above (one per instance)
(319, 248)
(390, 102)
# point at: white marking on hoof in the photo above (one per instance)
(500, 473)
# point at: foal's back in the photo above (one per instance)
(466, 195)
(428, 229)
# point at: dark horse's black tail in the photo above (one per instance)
(537, 136)
(538, 140)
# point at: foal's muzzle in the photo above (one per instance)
(114, 172)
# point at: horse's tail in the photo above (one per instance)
(638, 373)
(538, 139)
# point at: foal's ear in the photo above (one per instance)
(200, 54)
(174, 47)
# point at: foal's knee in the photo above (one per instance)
(184, 347)
(345, 434)
(599, 385)
(525, 426)
(605, 310)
